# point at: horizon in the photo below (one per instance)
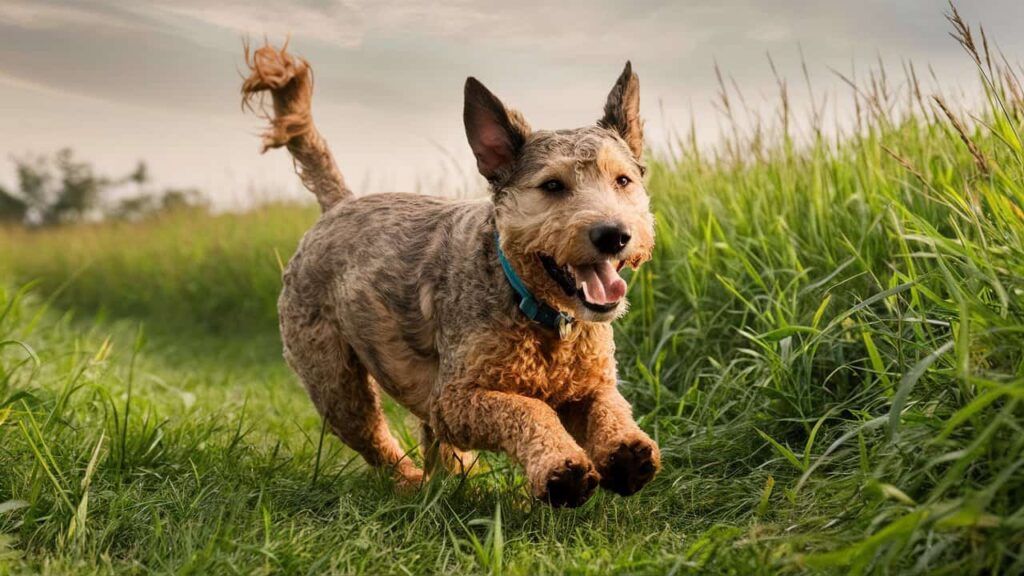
(120, 82)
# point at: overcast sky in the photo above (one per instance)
(126, 80)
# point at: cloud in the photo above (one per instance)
(391, 71)
(47, 15)
(332, 23)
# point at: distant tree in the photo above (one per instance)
(181, 199)
(12, 208)
(79, 191)
(147, 205)
(134, 207)
(140, 176)
(62, 189)
(34, 184)
(57, 191)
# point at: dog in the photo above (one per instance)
(489, 320)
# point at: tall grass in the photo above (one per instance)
(828, 345)
(847, 319)
(184, 270)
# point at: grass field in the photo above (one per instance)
(828, 346)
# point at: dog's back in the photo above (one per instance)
(374, 266)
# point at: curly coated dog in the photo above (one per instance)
(489, 320)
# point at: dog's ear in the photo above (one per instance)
(496, 134)
(622, 111)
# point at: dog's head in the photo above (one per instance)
(570, 205)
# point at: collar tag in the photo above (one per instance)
(564, 326)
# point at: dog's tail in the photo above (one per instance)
(289, 79)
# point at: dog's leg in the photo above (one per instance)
(346, 397)
(437, 454)
(289, 80)
(625, 456)
(529, 431)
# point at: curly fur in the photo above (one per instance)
(290, 82)
(405, 293)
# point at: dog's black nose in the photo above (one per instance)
(609, 238)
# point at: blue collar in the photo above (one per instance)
(534, 309)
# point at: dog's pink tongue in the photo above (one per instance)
(601, 283)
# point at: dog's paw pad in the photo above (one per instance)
(629, 467)
(571, 484)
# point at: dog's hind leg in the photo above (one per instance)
(345, 395)
(437, 454)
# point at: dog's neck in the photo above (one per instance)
(536, 310)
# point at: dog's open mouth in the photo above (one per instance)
(597, 284)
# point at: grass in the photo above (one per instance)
(828, 346)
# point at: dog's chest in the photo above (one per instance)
(551, 370)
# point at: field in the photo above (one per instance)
(828, 346)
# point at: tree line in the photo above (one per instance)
(59, 189)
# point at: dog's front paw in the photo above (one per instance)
(630, 466)
(569, 484)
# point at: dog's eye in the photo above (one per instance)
(623, 181)
(553, 186)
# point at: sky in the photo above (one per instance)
(123, 81)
